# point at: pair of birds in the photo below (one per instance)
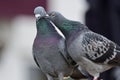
(82, 52)
(49, 50)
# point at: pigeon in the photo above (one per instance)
(91, 51)
(49, 50)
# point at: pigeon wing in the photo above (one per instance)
(99, 49)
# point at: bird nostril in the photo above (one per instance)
(37, 15)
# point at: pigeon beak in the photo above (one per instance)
(47, 16)
(37, 15)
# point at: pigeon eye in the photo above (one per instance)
(53, 15)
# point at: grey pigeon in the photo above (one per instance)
(48, 49)
(91, 51)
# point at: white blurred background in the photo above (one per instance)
(17, 34)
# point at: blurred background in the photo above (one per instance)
(18, 30)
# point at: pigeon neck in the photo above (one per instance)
(70, 28)
(45, 28)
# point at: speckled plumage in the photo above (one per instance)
(47, 48)
(92, 51)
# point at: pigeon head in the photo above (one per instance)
(43, 24)
(66, 26)
(56, 17)
(39, 12)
